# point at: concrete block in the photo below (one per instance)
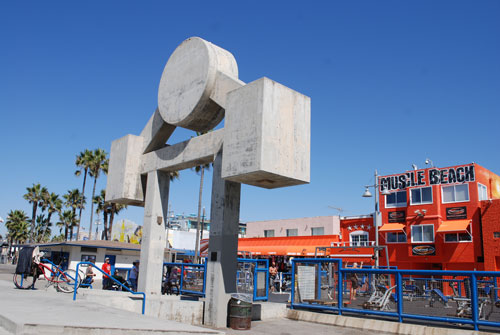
(124, 180)
(188, 81)
(267, 135)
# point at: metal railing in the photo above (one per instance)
(456, 297)
(191, 280)
(113, 279)
(252, 277)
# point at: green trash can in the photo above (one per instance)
(240, 312)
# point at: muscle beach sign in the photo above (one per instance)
(462, 174)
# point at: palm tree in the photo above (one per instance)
(66, 219)
(73, 199)
(35, 196)
(54, 204)
(42, 229)
(83, 163)
(114, 209)
(17, 226)
(98, 164)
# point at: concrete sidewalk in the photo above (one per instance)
(47, 312)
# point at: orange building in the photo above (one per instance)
(436, 219)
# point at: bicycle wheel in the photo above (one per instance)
(66, 281)
(23, 281)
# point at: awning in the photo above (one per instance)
(286, 246)
(391, 227)
(453, 226)
(282, 246)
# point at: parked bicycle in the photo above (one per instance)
(64, 280)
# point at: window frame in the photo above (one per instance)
(454, 190)
(317, 228)
(296, 230)
(457, 234)
(397, 204)
(421, 202)
(268, 230)
(479, 191)
(421, 226)
(398, 233)
(359, 233)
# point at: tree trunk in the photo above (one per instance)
(105, 224)
(33, 218)
(111, 219)
(66, 226)
(49, 215)
(92, 209)
(81, 205)
(197, 246)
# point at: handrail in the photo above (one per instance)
(58, 268)
(116, 281)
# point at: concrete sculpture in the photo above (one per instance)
(265, 142)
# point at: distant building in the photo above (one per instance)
(313, 226)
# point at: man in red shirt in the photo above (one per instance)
(106, 267)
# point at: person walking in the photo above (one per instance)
(134, 275)
(106, 267)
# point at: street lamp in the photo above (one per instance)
(376, 215)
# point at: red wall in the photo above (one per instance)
(448, 256)
(490, 212)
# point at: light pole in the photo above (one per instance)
(376, 215)
(97, 223)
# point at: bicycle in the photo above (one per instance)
(64, 280)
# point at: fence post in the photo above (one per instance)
(182, 279)
(340, 297)
(473, 298)
(292, 294)
(399, 295)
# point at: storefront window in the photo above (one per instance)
(395, 199)
(422, 233)
(455, 193)
(421, 196)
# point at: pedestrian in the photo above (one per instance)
(89, 276)
(106, 267)
(273, 272)
(134, 275)
(354, 280)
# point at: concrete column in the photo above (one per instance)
(153, 233)
(223, 246)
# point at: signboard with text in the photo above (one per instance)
(396, 216)
(423, 250)
(453, 175)
(456, 213)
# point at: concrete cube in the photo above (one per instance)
(124, 179)
(267, 135)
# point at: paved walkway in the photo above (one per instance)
(49, 312)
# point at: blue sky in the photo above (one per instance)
(391, 83)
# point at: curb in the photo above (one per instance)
(388, 327)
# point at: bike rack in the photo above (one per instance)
(116, 281)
